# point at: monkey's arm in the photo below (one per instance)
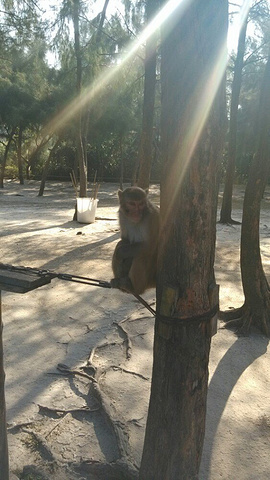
(125, 250)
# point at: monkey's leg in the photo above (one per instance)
(138, 275)
(122, 259)
(121, 263)
(142, 273)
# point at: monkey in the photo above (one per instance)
(135, 255)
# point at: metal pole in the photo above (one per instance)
(4, 463)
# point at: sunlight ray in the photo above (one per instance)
(201, 112)
(202, 109)
(92, 91)
(237, 23)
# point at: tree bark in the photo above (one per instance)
(226, 208)
(122, 163)
(46, 168)
(4, 462)
(19, 153)
(79, 140)
(3, 166)
(145, 150)
(256, 309)
(193, 44)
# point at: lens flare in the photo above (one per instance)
(90, 93)
(201, 111)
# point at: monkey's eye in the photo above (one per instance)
(135, 204)
(131, 204)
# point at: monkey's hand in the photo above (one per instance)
(124, 284)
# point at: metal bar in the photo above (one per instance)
(71, 278)
(52, 274)
(145, 304)
(85, 280)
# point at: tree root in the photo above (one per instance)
(118, 470)
(64, 369)
(89, 363)
(43, 446)
(238, 327)
(229, 222)
(116, 425)
(128, 341)
(239, 320)
(124, 468)
(115, 367)
(232, 314)
(65, 411)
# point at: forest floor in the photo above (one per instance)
(63, 426)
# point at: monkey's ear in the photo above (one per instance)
(146, 190)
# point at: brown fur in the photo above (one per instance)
(135, 256)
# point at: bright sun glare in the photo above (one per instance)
(104, 79)
(93, 90)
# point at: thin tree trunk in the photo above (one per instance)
(79, 141)
(145, 150)
(193, 44)
(226, 208)
(101, 22)
(19, 153)
(3, 166)
(36, 151)
(256, 309)
(46, 168)
(121, 163)
(4, 462)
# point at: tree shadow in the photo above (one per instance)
(32, 226)
(235, 361)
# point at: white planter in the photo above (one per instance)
(86, 209)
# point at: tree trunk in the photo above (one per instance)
(256, 309)
(79, 141)
(3, 166)
(226, 208)
(19, 153)
(34, 154)
(193, 45)
(101, 22)
(4, 463)
(46, 168)
(122, 165)
(145, 150)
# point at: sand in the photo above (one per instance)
(62, 322)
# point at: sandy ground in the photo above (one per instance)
(61, 323)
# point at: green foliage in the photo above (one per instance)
(256, 52)
(11, 172)
(32, 92)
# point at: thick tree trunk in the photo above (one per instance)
(145, 150)
(256, 309)
(193, 44)
(4, 462)
(226, 208)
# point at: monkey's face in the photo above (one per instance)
(133, 203)
(134, 210)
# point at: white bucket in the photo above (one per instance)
(86, 209)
